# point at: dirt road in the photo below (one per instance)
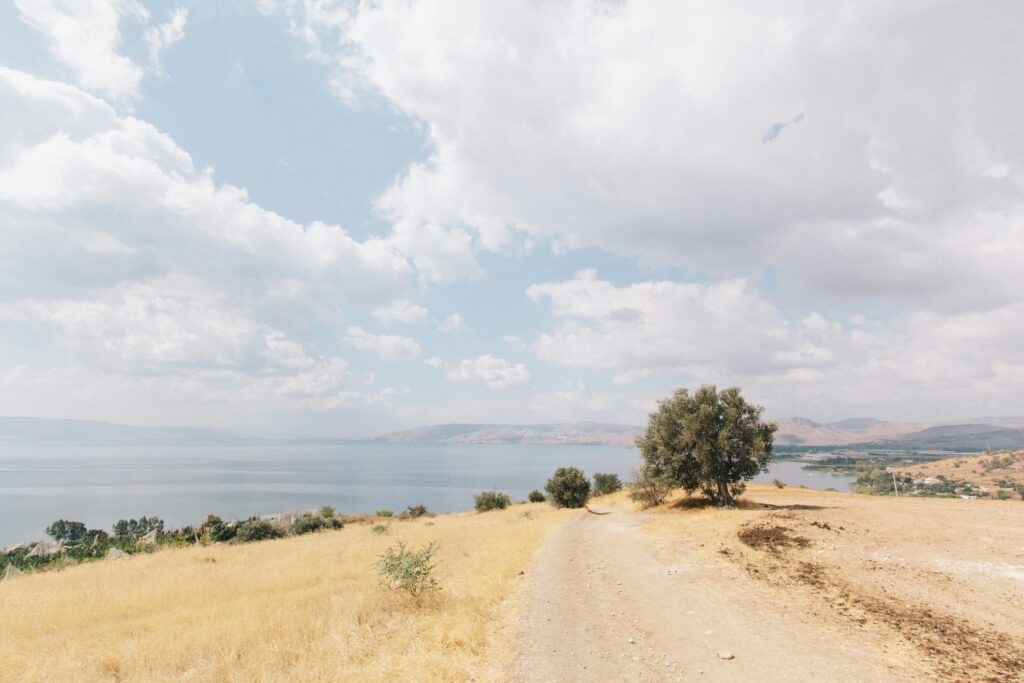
(601, 607)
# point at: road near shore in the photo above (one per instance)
(601, 607)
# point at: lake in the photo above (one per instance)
(183, 483)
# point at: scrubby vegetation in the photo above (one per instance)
(568, 488)
(606, 483)
(409, 570)
(647, 489)
(74, 543)
(491, 500)
(536, 497)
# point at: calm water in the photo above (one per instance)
(182, 484)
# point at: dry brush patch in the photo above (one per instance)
(307, 608)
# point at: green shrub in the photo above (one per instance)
(647, 489)
(536, 496)
(568, 488)
(307, 524)
(414, 511)
(326, 511)
(257, 530)
(409, 570)
(606, 483)
(380, 529)
(385, 513)
(491, 500)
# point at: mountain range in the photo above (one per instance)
(969, 435)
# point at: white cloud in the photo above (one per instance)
(85, 35)
(159, 38)
(401, 311)
(433, 362)
(389, 346)
(452, 323)
(514, 341)
(123, 259)
(496, 373)
(640, 127)
(652, 325)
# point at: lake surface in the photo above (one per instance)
(181, 484)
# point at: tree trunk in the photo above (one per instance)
(724, 498)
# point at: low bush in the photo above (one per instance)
(326, 511)
(606, 483)
(568, 488)
(384, 513)
(257, 530)
(307, 524)
(491, 500)
(414, 511)
(536, 496)
(409, 570)
(647, 489)
(379, 529)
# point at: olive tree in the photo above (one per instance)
(709, 440)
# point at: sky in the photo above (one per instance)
(325, 218)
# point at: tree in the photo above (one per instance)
(66, 530)
(568, 488)
(134, 529)
(606, 483)
(709, 440)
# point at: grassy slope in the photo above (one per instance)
(307, 608)
(982, 469)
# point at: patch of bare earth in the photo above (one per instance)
(935, 584)
(604, 604)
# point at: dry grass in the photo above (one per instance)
(308, 608)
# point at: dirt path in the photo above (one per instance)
(600, 607)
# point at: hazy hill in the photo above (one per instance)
(45, 429)
(560, 433)
(966, 437)
(799, 431)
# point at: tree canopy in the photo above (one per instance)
(709, 440)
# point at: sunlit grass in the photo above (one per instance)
(308, 608)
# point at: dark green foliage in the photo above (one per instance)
(326, 511)
(409, 570)
(491, 500)
(219, 531)
(257, 530)
(307, 524)
(568, 488)
(711, 440)
(67, 531)
(414, 511)
(606, 483)
(536, 496)
(134, 529)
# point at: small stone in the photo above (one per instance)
(632, 641)
(725, 654)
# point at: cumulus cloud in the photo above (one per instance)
(452, 323)
(159, 38)
(401, 311)
(640, 127)
(658, 325)
(389, 346)
(496, 373)
(132, 262)
(85, 35)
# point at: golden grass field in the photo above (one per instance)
(307, 608)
